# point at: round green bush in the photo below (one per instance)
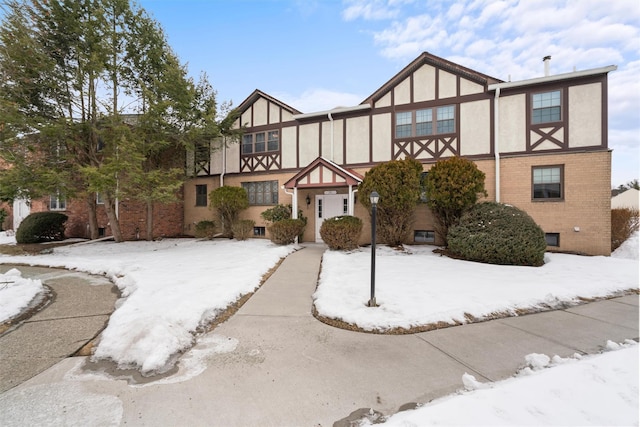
(496, 233)
(285, 231)
(41, 227)
(341, 232)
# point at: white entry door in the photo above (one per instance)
(328, 206)
(21, 209)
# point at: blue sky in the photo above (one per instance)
(319, 54)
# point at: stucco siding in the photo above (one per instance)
(468, 87)
(274, 113)
(260, 108)
(513, 123)
(475, 128)
(585, 127)
(357, 140)
(401, 93)
(447, 85)
(424, 84)
(309, 143)
(382, 137)
(288, 145)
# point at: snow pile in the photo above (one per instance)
(628, 249)
(172, 287)
(418, 287)
(7, 238)
(16, 293)
(592, 390)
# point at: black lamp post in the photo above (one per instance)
(374, 197)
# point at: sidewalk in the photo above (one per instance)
(289, 369)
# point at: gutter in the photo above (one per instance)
(334, 111)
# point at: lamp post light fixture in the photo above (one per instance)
(373, 198)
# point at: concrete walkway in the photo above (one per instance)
(79, 311)
(288, 369)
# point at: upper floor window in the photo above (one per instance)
(546, 107)
(262, 192)
(99, 199)
(260, 142)
(421, 122)
(201, 195)
(548, 183)
(57, 202)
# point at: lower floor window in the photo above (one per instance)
(57, 202)
(258, 231)
(553, 239)
(424, 236)
(262, 192)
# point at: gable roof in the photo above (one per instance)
(315, 175)
(437, 62)
(256, 94)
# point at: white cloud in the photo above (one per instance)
(319, 99)
(369, 10)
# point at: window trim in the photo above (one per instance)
(270, 138)
(533, 184)
(249, 185)
(434, 122)
(198, 201)
(532, 109)
(556, 236)
(60, 202)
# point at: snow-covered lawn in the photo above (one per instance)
(172, 287)
(592, 390)
(418, 287)
(169, 288)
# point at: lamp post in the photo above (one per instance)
(374, 197)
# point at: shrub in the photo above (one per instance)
(398, 184)
(205, 229)
(277, 213)
(243, 229)
(41, 227)
(498, 234)
(452, 187)
(624, 222)
(3, 216)
(341, 232)
(228, 202)
(285, 231)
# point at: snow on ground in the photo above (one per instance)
(592, 390)
(629, 248)
(171, 287)
(418, 287)
(16, 293)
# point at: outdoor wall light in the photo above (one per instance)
(308, 200)
(373, 198)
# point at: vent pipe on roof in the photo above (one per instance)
(546, 61)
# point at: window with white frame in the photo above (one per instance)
(421, 122)
(99, 199)
(546, 107)
(201, 195)
(261, 142)
(57, 202)
(547, 182)
(262, 192)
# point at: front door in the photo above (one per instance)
(328, 206)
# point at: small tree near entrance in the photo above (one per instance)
(452, 187)
(398, 184)
(228, 201)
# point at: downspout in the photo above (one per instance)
(294, 205)
(331, 120)
(496, 140)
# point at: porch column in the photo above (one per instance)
(294, 204)
(350, 202)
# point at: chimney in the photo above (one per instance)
(546, 61)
